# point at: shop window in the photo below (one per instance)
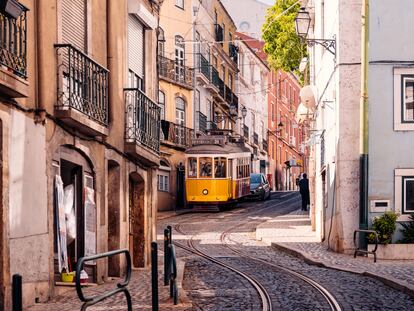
(205, 168)
(192, 167)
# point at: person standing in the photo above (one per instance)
(304, 191)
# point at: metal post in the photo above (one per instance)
(170, 234)
(166, 235)
(17, 292)
(154, 275)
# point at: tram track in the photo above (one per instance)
(264, 295)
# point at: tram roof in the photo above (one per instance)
(217, 149)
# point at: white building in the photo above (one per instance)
(336, 169)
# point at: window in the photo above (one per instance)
(273, 111)
(280, 155)
(214, 61)
(161, 103)
(404, 193)
(205, 168)
(179, 3)
(220, 167)
(192, 167)
(136, 48)
(230, 81)
(223, 73)
(273, 149)
(179, 58)
(74, 23)
(403, 99)
(163, 181)
(161, 42)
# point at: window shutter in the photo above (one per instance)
(74, 23)
(136, 46)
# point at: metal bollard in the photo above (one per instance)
(170, 234)
(17, 292)
(154, 275)
(166, 236)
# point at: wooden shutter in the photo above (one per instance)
(136, 46)
(74, 23)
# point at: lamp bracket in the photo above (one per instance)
(328, 44)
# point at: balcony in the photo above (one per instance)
(221, 87)
(176, 135)
(219, 32)
(204, 69)
(212, 125)
(233, 52)
(82, 91)
(265, 146)
(256, 139)
(229, 95)
(13, 53)
(246, 132)
(142, 126)
(170, 71)
(202, 122)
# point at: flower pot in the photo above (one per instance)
(394, 251)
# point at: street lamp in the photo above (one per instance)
(302, 23)
(233, 113)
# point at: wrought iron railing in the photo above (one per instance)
(169, 69)
(235, 101)
(215, 79)
(205, 68)
(82, 84)
(229, 95)
(256, 138)
(219, 31)
(13, 43)
(202, 122)
(245, 131)
(221, 87)
(211, 125)
(142, 120)
(178, 134)
(233, 52)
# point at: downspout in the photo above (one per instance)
(40, 112)
(364, 120)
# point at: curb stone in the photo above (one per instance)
(387, 280)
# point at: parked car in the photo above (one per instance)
(259, 187)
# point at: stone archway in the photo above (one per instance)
(136, 219)
(114, 216)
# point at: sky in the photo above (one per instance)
(269, 2)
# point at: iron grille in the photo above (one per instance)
(205, 67)
(13, 45)
(221, 87)
(233, 52)
(229, 95)
(202, 122)
(168, 69)
(179, 134)
(215, 77)
(246, 131)
(211, 125)
(142, 120)
(82, 84)
(219, 33)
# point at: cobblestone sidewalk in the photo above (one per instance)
(293, 233)
(139, 288)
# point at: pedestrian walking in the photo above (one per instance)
(304, 191)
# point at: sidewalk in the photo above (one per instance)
(292, 233)
(139, 288)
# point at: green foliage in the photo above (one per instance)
(284, 47)
(385, 226)
(408, 231)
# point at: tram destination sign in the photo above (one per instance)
(209, 140)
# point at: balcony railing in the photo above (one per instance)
(211, 125)
(202, 122)
(233, 52)
(142, 120)
(219, 31)
(229, 95)
(265, 146)
(82, 84)
(221, 87)
(235, 101)
(168, 69)
(256, 138)
(215, 79)
(178, 134)
(245, 131)
(13, 43)
(205, 68)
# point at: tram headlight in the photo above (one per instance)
(205, 191)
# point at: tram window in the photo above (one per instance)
(206, 167)
(192, 167)
(220, 167)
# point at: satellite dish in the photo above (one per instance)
(303, 63)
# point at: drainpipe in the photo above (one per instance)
(364, 120)
(40, 112)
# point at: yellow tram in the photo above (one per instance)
(217, 171)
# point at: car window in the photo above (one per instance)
(255, 179)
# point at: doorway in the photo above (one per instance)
(114, 179)
(136, 220)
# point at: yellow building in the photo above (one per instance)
(79, 128)
(176, 74)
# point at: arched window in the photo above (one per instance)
(161, 103)
(179, 58)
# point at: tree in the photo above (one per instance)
(284, 48)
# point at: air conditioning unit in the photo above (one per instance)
(292, 141)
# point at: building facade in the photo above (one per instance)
(79, 115)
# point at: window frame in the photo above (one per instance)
(400, 176)
(164, 176)
(401, 73)
(177, 4)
